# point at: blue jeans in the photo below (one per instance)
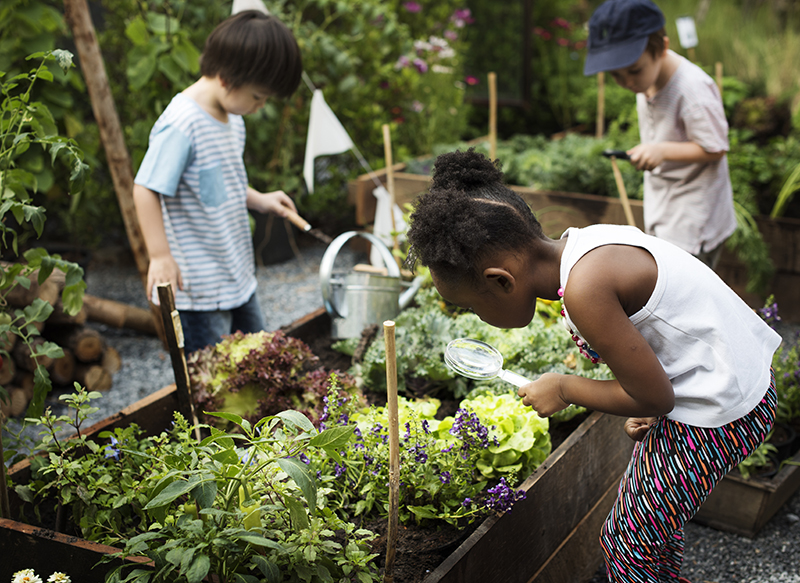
(202, 328)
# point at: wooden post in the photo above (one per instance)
(492, 116)
(601, 105)
(394, 449)
(77, 15)
(174, 335)
(387, 152)
(690, 54)
(623, 194)
(718, 71)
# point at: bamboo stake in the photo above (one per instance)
(623, 194)
(5, 507)
(77, 15)
(690, 53)
(601, 105)
(174, 334)
(718, 71)
(387, 152)
(492, 116)
(394, 449)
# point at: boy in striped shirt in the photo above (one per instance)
(191, 191)
(688, 199)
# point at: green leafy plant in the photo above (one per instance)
(27, 124)
(761, 458)
(241, 506)
(259, 374)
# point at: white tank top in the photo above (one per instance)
(714, 348)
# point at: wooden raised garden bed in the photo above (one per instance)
(550, 537)
(559, 210)
(745, 506)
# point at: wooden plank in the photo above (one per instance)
(561, 492)
(46, 551)
(745, 506)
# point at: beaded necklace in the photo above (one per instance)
(583, 346)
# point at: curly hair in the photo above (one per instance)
(467, 213)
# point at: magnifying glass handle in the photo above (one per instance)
(513, 378)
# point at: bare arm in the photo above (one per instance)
(648, 156)
(275, 202)
(601, 294)
(162, 268)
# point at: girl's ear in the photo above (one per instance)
(500, 279)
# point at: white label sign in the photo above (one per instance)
(687, 33)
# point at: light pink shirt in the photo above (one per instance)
(689, 205)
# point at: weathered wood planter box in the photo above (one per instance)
(745, 506)
(559, 210)
(550, 537)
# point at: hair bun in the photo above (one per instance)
(465, 171)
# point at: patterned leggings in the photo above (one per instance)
(670, 474)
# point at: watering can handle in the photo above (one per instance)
(326, 265)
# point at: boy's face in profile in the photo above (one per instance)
(244, 99)
(642, 75)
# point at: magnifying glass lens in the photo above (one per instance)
(473, 358)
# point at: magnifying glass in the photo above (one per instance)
(480, 361)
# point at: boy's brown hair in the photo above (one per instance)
(253, 48)
(655, 43)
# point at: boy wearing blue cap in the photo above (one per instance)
(688, 199)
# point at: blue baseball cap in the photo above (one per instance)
(618, 33)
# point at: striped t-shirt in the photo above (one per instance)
(689, 205)
(195, 162)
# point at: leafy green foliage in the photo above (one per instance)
(423, 331)
(27, 124)
(259, 374)
(239, 505)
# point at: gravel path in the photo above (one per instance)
(290, 290)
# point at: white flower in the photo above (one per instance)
(58, 577)
(26, 576)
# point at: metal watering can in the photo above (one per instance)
(357, 299)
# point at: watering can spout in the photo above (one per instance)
(408, 295)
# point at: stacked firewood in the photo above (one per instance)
(88, 359)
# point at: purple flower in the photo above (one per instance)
(462, 17)
(402, 62)
(420, 65)
(503, 497)
(304, 458)
(444, 477)
(112, 451)
(467, 502)
(450, 35)
(338, 470)
(413, 7)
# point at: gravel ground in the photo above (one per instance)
(290, 289)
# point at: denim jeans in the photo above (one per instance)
(202, 328)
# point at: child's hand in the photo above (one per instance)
(637, 427)
(646, 156)
(163, 269)
(277, 202)
(544, 395)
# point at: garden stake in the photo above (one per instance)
(394, 448)
(601, 105)
(623, 195)
(174, 334)
(492, 116)
(718, 70)
(5, 508)
(387, 152)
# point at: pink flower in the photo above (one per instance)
(561, 23)
(562, 42)
(421, 65)
(579, 45)
(402, 62)
(417, 106)
(470, 80)
(545, 34)
(412, 6)
(450, 35)
(462, 17)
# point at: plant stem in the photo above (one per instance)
(5, 508)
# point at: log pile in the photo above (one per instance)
(88, 359)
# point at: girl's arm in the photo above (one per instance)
(605, 287)
(162, 268)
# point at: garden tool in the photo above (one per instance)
(623, 195)
(478, 360)
(303, 225)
